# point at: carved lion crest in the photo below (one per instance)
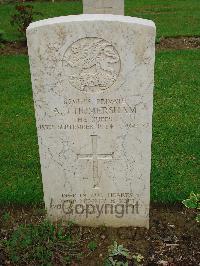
(92, 64)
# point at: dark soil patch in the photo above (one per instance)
(173, 237)
(179, 43)
(170, 43)
(13, 48)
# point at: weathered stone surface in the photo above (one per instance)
(115, 7)
(92, 78)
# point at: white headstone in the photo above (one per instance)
(92, 79)
(115, 7)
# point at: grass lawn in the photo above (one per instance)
(175, 136)
(20, 171)
(172, 18)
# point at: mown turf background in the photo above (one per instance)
(20, 170)
(175, 168)
(172, 17)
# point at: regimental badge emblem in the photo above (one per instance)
(91, 64)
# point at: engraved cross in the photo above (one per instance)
(95, 157)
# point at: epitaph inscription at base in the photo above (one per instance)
(92, 79)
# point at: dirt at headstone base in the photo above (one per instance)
(173, 238)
